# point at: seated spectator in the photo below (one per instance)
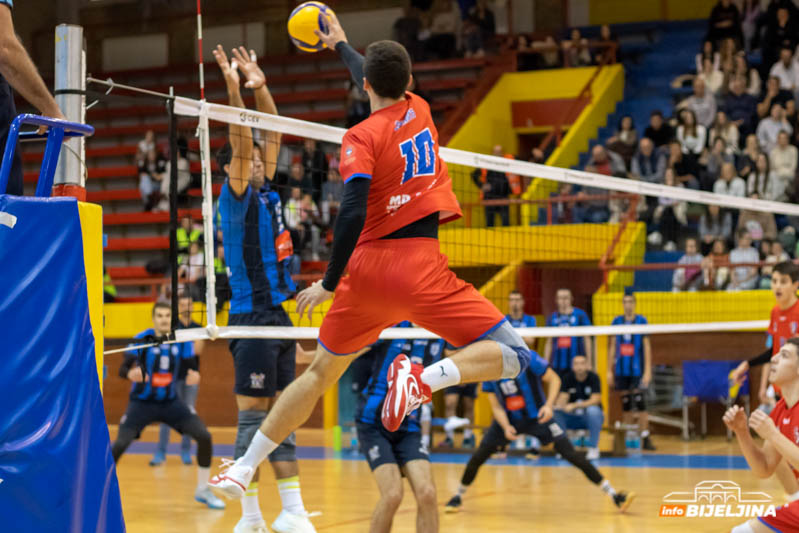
(708, 52)
(713, 78)
(774, 96)
(724, 22)
(576, 50)
(688, 278)
(548, 52)
(648, 164)
(444, 29)
(579, 404)
(785, 70)
(743, 278)
(311, 221)
(758, 224)
(358, 108)
(729, 183)
(685, 169)
(297, 178)
(183, 174)
(604, 162)
(781, 31)
(715, 267)
(292, 215)
(187, 233)
(670, 214)
(776, 255)
(314, 162)
(751, 78)
(761, 180)
(750, 17)
(714, 225)
(770, 127)
(625, 140)
(715, 159)
(659, 130)
(563, 212)
(701, 102)
(332, 194)
(727, 131)
(144, 148)
(783, 159)
(192, 270)
(479, 30)
(406, 31)
(609, 44)
(151, 173)
(692, 136)
(493, 185)
(745, 163)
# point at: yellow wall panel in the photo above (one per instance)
(91, 226)
(621, 11)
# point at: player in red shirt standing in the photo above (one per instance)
(780, 431)
(397, 192)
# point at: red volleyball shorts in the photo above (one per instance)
(786, 519)
(393, 280)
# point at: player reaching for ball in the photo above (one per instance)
(397, 191)
(780, 431)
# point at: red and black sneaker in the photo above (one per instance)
(406, 392)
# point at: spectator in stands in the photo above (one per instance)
(625, 140)
(579, 403)
(358, 108)
(750, 15)
(727, 131)
(151, 174)
(548, 52)
(685, 169)
(776, 254)
(563, 212)
(604, 162)
(715, 267)
(701, 102)
(297, 177)
(770, 127)
(444, 29)
(729, 183)
(109, 290)
(758, 224)
(751, 78)
(314, 162)
(670, 214)
(184, 173)
(493, 185)
(783, 159)
(659, 130)
(332, 194)
(708, 52)
(780, 33)
(714, 225)
(774, 96)
(406, 32)
(648, 164)
(713, 78)
(785, 70)
(740, 107)
(144, 148)
(479, 30)
(187, 233)
(745, 162)
(576, 50)
(715, 159)
(692, 136)
(192, 270)
(724, 22)
(761, 180)
(311, 221)
(743, 277)
(688, 278)
(609, 44)
(292, 214)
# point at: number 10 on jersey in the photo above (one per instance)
(419, 154)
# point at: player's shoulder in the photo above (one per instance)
(145, 333)
(641, 319)
(617, 320)
(779, 410)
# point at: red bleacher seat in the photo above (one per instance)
(138, 243)
(146, 217)
(130, 272)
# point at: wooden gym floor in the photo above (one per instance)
(510, 495)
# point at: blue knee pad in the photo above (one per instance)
(516, 356)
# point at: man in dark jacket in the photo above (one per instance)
(493, 185)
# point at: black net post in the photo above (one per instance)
(173, 206)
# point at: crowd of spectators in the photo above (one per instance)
(574, 51)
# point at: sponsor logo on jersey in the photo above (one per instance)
(397, 201)
(410, 115)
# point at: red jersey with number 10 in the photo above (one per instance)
(397, 148)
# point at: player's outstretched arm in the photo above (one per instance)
(256, 80)
(552, 380)
(240, 136)
(762, 461)
(502, 417)
(336, 39)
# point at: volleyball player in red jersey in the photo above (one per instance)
(780, 432)
(397, 191)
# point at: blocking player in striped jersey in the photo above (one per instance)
(521, 406)
(630, 369)
(559, 351)
(393, 455)
(780, 431)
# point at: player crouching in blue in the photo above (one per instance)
(520, 406)
(154, 372)
(579, 404)
(394, 455)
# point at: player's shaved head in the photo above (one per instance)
(387, 68)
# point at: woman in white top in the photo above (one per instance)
(692, 136)
(753, 81)
(761, 180)
(725, 130)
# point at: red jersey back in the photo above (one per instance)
(397, 148)
(783, 326)
(787, 422)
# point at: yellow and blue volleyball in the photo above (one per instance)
(306, 18)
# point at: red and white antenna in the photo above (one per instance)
(200, 49)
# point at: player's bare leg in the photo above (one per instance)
(389, 482)
(787, 479)
(292, 408)
(420, 476)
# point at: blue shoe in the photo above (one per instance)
(185, 456)
(206, 497)
(158, 458)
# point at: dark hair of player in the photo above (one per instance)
(387, 68)
(629, 295)
(795, 342)
(788, 268)
(515, 293)
(161, 305)
(225, 154)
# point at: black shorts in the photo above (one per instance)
(467, 390)
(381, 446)
(173, 413)
(494, 436)
(263, 366)
(627, 383)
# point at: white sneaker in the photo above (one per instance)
(287, 522)
(248, 527)
(205, 496)
(233, 480)
(592, 454)
(455, 422)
